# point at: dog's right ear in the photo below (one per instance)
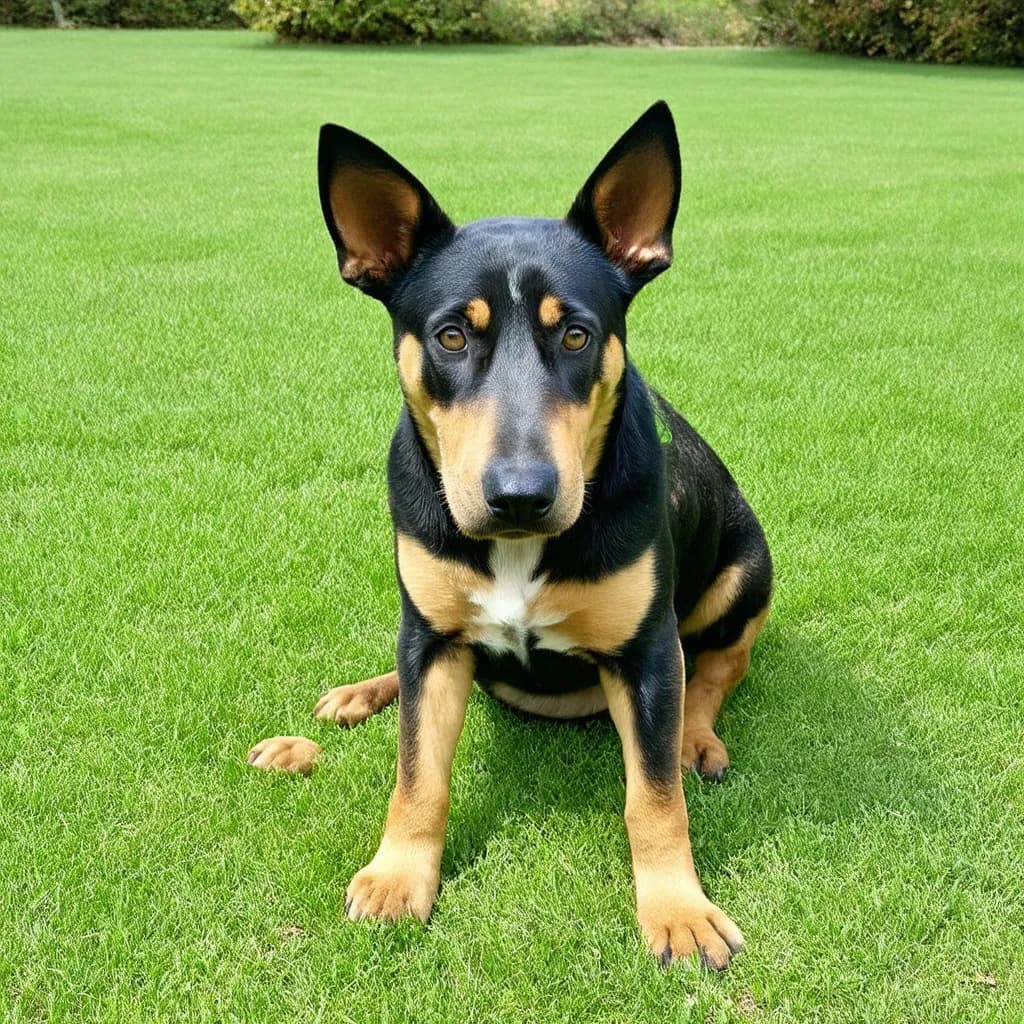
(379, 215)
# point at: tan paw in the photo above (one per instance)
(677, 925)
(705, 754)
(350, 705)
(285, 753)
(392, 886)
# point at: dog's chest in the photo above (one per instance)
(509, 614)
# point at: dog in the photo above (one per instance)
(562, 534)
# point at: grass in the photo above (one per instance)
(194, 539)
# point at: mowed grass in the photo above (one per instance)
(194, 539)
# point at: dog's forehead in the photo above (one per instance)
(515, 262)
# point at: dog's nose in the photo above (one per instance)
(520, 494)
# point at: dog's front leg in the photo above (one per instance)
(645, 698)
(403, 877)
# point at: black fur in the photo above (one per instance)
(676, 497)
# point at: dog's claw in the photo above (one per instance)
(709, 963)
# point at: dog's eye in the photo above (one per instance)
(452, 339)
(575, 338)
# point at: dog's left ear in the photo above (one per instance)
(379, 215)
(628, 205)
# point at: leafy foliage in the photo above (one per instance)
(123, 13)
(510, 21)
(946, 31)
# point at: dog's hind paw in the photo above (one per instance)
(705, 754)
(286, 754)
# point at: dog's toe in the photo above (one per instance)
(705, 754)
(285, 753)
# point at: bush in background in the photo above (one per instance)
(946, 31)
(124, 13)
(499, 21)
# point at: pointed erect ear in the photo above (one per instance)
(628, 205)
(378, 214)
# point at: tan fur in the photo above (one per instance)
(376, 213)
(550, 311)
(631, 205)
(577, 704)
(465, 437)
(675, 916)
(403, 877)
(715, 675)
(600, 616)
(459, 438)
(577, 432)
(350, 705)
(410, 374)
(715, 601)
(439, 587)
(478, 313)
(286, 754)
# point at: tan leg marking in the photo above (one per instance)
(350, 705)
(715, 675)
(285, 754)
(675, 916)
(715, 601)
(403, 877)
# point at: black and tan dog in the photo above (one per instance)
(550, 544)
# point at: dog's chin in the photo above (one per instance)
(488, 528)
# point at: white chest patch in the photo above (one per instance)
(506, 615)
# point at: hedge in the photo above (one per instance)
(124, 13)
(499, 21)
(944, 31)
(947, 31)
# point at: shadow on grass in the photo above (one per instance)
(807, 745)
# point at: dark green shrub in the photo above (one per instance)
(364, 21)
(126, 13)
(947, 31)
(508, 21)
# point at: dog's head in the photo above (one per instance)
(509, 333)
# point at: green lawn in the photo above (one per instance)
(194, 539)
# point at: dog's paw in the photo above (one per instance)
(346, 705)
(350, 705)
(705, 754)
(678, 925)
(286, 754)
(392, 886)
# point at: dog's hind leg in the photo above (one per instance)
(716, 674)
(350, 705)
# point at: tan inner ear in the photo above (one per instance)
(376, 213)
(632, 203)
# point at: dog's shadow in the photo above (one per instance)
(807, 740)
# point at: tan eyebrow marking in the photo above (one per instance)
(550, 310)
(478, 313)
